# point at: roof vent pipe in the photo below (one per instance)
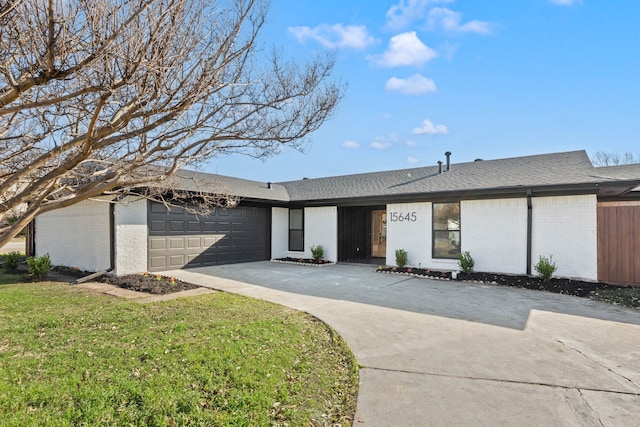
(269, 185)
(439, 166)
(448, 154)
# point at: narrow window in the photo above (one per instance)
(296, 229)
(446, 230)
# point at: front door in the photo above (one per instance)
(378, 234)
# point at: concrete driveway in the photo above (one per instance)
(445, 353)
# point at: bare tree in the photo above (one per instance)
(106, 96)
(602, 158)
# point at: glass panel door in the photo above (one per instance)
(379, 234)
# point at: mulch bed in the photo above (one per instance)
(420, 272)
(309, 261)
(556, 285)
(150, 283)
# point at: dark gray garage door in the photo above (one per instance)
(178, 239)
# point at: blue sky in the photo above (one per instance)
(482, 79)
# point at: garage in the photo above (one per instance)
(178, 239)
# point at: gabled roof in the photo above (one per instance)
(557, 169)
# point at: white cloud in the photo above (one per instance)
(412, 160)
(411, 143)
(404, 49)
(386, 116)
(566, 2)
(351, 144)
(431, 129)
(380, 143)
(449, 20)
(408, 11)
(414, 85)
(335, 36)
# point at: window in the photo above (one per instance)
(446, 230)
(296, 229)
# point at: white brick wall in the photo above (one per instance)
(412, 236)
(320, 228)
(495, 233)
(76, 236)
(279, 232)
(131, 237)
(566, 227)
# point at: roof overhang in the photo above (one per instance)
(443, 196)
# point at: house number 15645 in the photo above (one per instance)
(402, 216)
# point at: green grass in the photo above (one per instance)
(71, 357)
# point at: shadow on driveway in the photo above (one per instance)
(488, 304)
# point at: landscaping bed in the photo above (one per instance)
(618, 295)
(304, 261)
(576, 288)
(150, 283)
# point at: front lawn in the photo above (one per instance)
(72, 357)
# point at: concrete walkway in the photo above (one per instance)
(438, 353)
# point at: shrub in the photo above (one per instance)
(402, 258)
(545, 267)
(39, 266)
(11, 261)
(317, 252)
(466, 262)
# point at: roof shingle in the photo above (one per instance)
(531, 171)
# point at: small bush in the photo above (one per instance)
(402, 258)
(11, 261)
(39, 266)
(545, 267)
(317, 252)
(466, 262)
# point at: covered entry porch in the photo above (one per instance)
(362, 234)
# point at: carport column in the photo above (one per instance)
(529, 228)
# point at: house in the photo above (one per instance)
(505, 212)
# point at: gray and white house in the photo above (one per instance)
(505, 212)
